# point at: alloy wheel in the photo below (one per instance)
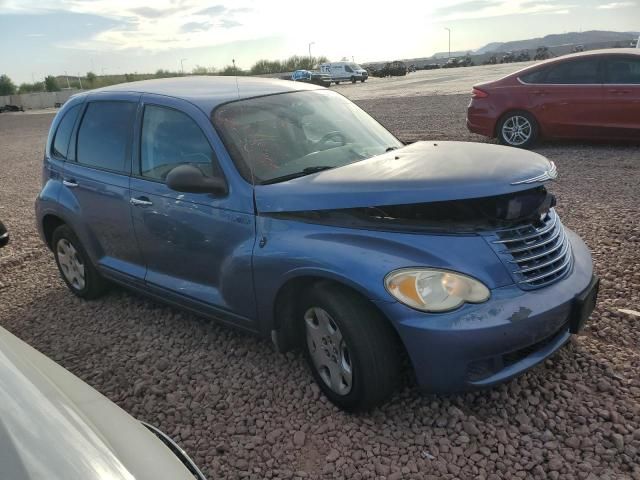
(517, 130)
(71, 264)
(328, 350)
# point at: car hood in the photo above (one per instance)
(418, 173)
(54, 426)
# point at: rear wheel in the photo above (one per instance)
(518, 129)
(74, 265)
(353, 79)
(349, 346)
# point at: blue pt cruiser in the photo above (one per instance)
(284, 209)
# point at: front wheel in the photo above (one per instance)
(350, 347)
(74, 265)
(518, 129)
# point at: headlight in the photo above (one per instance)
(433, 290)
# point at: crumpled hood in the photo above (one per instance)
(418, 173)
(54, 426)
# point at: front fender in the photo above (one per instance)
(359, 259)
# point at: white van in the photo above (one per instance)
(344, 72)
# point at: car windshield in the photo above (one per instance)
(355, 66)
(279, 137)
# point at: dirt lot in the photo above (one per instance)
(243, 411)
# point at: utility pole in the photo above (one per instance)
(67, 75)
(79, 80)
(311, 43)
(449, 30)
(182, 64)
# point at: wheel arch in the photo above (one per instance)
(284, 328)
(49, 224)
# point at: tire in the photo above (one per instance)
(362, 80)
(353, 79)
(365, 343)
(74, 265)
(525, 124)
(337, 83)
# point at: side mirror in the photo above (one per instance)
(187, 178)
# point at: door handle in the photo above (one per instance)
(141, 202)
(540, 92)
(70, 183)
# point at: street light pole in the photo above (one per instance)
(449, 30)
(182, 64)
(311, 43)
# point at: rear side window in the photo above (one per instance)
(575, 72)
(63, 133)
(623, 70)
(537, 76)
(105, 134)
(171, 138)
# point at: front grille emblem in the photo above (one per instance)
(550, 174)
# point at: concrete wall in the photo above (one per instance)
(38, 100)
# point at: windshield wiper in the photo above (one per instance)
(302, 173)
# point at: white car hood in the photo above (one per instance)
(54, 426)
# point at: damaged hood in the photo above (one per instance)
(418, 173)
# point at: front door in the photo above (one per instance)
(197, 247)
(96, 184)
(621, 108)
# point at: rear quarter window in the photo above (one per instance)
(536, 76)
(60, 145)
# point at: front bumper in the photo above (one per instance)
(481, 345)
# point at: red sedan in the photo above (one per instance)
(588, 95)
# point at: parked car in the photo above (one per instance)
(11, 108)
(284, 209)
(587, 95)
(308, 76)
(344, 71)
(56, 426)
(4, 236)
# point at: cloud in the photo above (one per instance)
(226, 23)
(464, 7)
(609, 6)
(34, 35)
(212, 11)
(149, 12)
(195, 27)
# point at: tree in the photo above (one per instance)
(7, 87)
(51, 84)
(91, 78)
(31, 87)
(129, 77)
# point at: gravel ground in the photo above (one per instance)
(243, 411)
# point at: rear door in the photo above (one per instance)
(197, 246)
(621, 107)
(566, 98)
(96, 184)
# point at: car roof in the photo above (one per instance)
(207, 92)
(562, 58)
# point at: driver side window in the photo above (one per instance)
(171, 138)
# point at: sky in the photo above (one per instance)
(41, 37)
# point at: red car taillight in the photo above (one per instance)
(477, 93)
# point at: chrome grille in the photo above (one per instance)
(536, 254)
